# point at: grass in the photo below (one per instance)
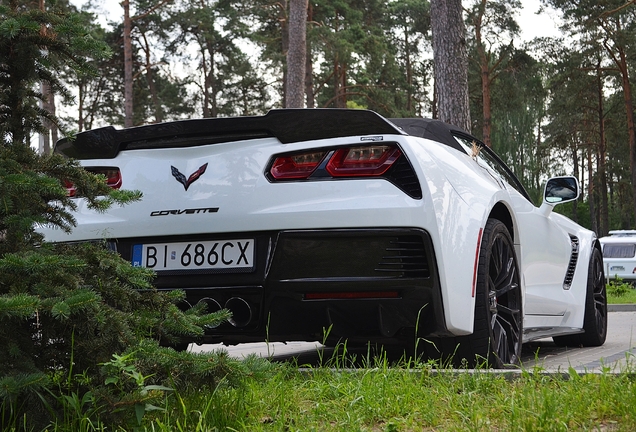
(386, 397)
(619, 292)
(407, 396)
(395, 399)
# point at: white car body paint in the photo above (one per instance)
(458, 195)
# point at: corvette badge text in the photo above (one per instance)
(184, 211)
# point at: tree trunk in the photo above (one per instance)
(629, 110)
(343, 85)
(48, 105)
(484, 68)
(309, 66)
(80, 107)
(604, 210)
(575, 163)
(45, 140)
(128, 75)
(621, 63)
(284, 28)
(151, 81)
(409, 71)
(296, 54)
(591, 196)
(450, 61)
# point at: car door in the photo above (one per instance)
(546, 250)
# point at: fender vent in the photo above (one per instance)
(574, 257)
(405, 257)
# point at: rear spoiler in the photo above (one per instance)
(287, 125)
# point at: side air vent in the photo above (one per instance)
(405, 257)
(403, 176)
(574, 257)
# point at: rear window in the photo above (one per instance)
(619, 250)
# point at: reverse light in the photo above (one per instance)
(298, 166)
(367, 161)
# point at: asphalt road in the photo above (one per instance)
(618, 351)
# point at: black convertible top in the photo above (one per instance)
(287, 125)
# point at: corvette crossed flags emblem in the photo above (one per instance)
(193, 177)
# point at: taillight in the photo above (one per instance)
(70, 188)
(375, 160)
(298, 166)
(112, 174)
(367, 161)
(355, 161)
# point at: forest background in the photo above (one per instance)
(550, 106)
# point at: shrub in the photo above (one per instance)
(66, 309)
(618, 288)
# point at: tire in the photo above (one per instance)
(497, 332)
(595, 320)
(498, 326)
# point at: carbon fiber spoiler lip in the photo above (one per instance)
(287, 125)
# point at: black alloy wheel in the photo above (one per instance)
(497, 334)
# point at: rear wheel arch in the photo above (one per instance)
(501, 212)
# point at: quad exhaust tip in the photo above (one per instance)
(212, 305)
(241, 312)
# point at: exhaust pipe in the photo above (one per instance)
(241, 312)
(211, 307)
(211, 304)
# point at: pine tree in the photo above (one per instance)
(64, 308)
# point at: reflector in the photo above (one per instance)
(351, 295)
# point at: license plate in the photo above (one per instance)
(203, 255)
(617, 268)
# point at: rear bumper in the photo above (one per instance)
(620, 268)
(362, 285)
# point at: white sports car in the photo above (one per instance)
(342, 224)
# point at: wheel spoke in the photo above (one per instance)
(506, 336)
(508, 284)
(505, 310)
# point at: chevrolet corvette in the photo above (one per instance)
(330, 225)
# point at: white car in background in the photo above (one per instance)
(341, 224)
(619, 255)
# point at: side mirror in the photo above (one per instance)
(559, 190)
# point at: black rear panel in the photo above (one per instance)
(364, 284)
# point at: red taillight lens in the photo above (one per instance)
(112, 174)
(299, 166)
(70, 188)
(365, 161)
